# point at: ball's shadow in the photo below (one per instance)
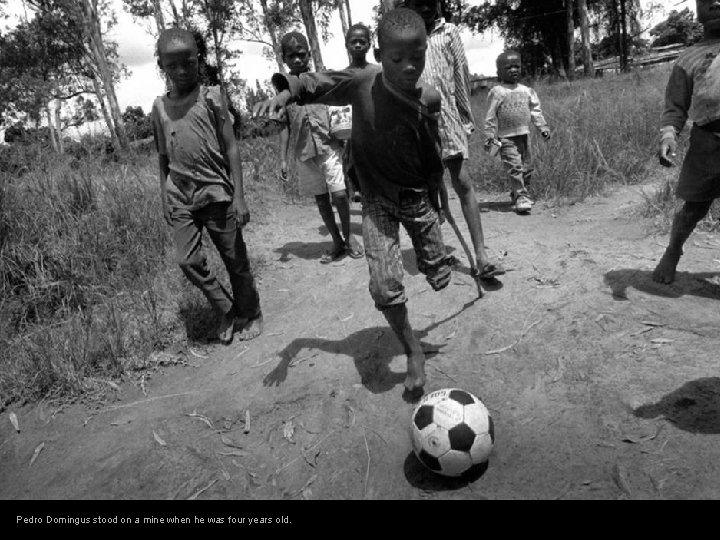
(423, 478)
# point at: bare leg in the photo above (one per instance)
(342, 203)
(397, 318)
(683, 225)
(463, 187)
(328, 217)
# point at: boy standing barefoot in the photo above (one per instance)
(318, 156)
(395, 146)
(693, 92)
(201, 185)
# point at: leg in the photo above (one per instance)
(187, 232)
(382, 250)
(342, 203)
(683, 225)
(228, 239)
(513, 163)
(328, 217)
(471, 211)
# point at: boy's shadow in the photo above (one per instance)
(496, 206)
(694, 283)
(302, 250)
(372, 350)
(694, 407)
(355, 229)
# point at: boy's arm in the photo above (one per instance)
(242, 214)
(678, 96)
(491, 123)
(163, 163)
(284, 144)
(536, 114)
(461, 74)
(327, 88)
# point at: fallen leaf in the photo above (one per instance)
(651, 323)
(37, 452)
(233, 453)
(620, 477)
(202, 418)
(661, 341)
(14, 421)
(159, 439)
(246, 429)
(201, 491)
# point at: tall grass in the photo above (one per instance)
(603, 131)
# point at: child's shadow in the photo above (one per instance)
(302, 250)
(372, 350)
(694, 407)
(697, 284)
(496, 206)
(355, 229)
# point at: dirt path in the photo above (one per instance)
(612, 389)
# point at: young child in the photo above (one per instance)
(511, 108)
(395, 146)
(318, 156)
(446, 70)
(201, 185)
(693, 92)
(357, 43)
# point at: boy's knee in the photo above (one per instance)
(387, 293)
(191, 264)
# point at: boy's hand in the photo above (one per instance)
(272, 106)
(242, 214)
(545, 132)
(668, 149)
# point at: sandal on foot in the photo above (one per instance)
(490, 270)
(332, 256)
(355, 253)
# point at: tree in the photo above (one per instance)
(570, 36)
(308, 18)
(585, 37)
(680, 27)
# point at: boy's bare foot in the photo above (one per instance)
(226, 328)
(415, 379)
(249, 328)
(665, 270)
(337, 253)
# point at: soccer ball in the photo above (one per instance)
(451, 431)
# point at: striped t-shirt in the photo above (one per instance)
(446, 70)
(693, 90)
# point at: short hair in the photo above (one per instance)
(505, 55)
(397, 20)
(175, 35)
(359, 26)
(289, 40)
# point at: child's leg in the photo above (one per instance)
(228, 239)
(470, 209)
(381, 235)
(512, 160)
(683, 225)
(328, 216)
(187, 232)
(524, 149)
(342, 203)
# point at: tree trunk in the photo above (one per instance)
(557, 57)
(51, 130)
(312, 34)
(340, 4)
(570, 20)
(105, 113)
(58, 126)
(218, 59)
(270, 26)
(159, 19)
(585, 34)
(624, 56)
(349, 13)
(97, 49)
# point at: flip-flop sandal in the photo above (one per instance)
(332, 256)
(489, 271)
(355, 253)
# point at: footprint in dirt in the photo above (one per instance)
(694, 407)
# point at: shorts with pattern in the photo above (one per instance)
(381, 236)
